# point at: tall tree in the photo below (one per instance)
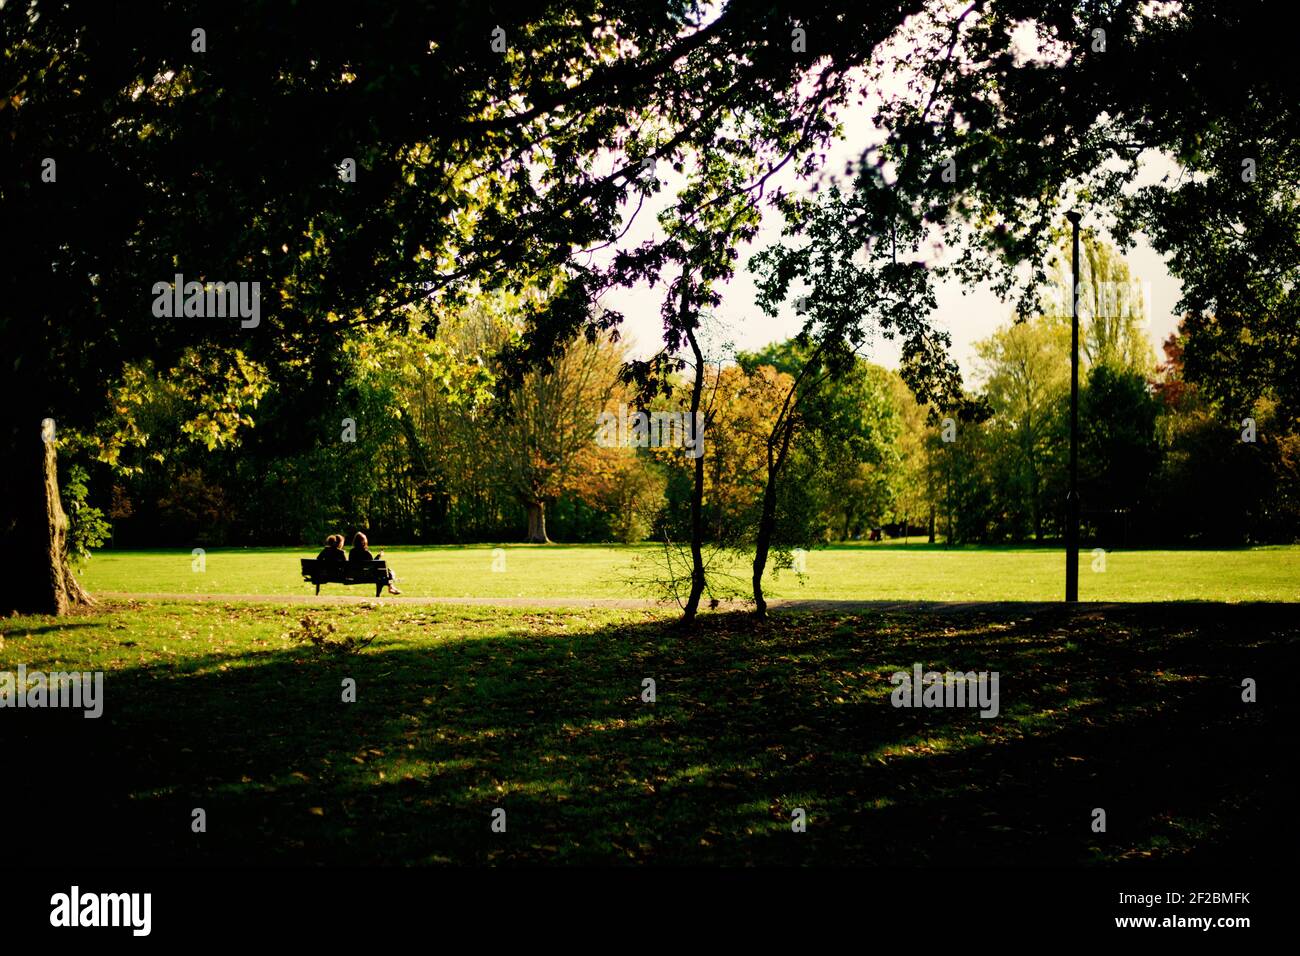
(1026, 371)
(914, 497)
(859, 256)
(548, 422)
(1113, 307)
(1118, 448)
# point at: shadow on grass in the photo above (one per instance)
(1136, 710)
(55, 628)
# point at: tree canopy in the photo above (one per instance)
(390, 166)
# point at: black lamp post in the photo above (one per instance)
(1072, 499)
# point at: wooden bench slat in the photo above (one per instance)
(318, 571)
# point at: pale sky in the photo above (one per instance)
(968, 315)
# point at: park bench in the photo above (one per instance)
(345, 572)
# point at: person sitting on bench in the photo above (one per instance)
(333, 550)
(361, 553)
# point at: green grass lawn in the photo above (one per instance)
(842, 572)
(460, 710)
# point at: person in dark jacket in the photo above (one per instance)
(333, 550)
(361, 553)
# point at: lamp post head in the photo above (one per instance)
(1073, 216)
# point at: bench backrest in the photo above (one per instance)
(338, 571)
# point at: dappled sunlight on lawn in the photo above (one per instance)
(460, 712)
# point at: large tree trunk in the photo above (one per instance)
(34, 529)
(762, 545)
(1033, 497)
(782, 432)
(537, 522)
(767, 520)
(697, 489)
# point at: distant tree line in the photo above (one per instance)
(413, 442)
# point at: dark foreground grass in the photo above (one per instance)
(1134, 709)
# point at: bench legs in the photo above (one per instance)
(379, 586)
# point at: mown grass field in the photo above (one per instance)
(1136, 709)
(844, 572)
